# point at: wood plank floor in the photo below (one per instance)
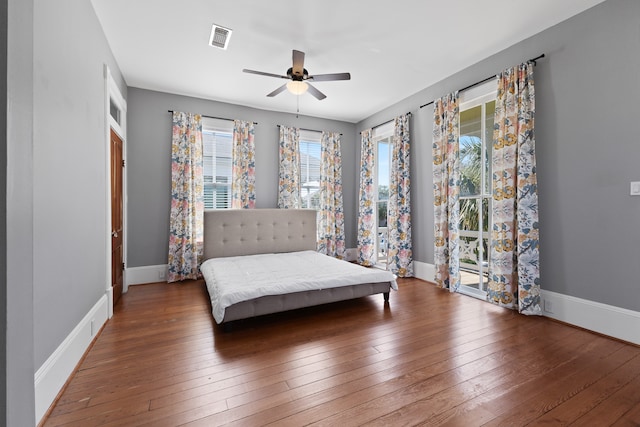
(427, 358)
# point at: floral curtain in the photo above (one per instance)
(366, 208)
(514, 276)
(187, 197)
(399, 254)
(243, 174)
(331, 240)
(289, 175)
(446, 190)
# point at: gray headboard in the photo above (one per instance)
(233, 232)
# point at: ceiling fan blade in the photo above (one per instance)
(260, 73)
(298, 63)
(277, 91)
(315, 92)
(330, 77)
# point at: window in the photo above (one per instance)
(217, 138)
(114, 111)
(383, 140)
(310, 160)
(477, 108)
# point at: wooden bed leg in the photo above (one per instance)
(386, 296)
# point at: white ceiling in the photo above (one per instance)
(392, 49)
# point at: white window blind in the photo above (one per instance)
(310, 161)
(217, 136)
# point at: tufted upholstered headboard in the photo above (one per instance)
(233, 232)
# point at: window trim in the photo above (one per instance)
(222, 127)
(383, 131)
(310, 137)
(380, 133)
(478, 95)
(471, 98)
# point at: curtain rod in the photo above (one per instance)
(212, 117)
(485, 80)
(388, 121)
(308, 130)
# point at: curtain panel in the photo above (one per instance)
(366, 205)
(399, 254)
(446, 190)
(331, 239)
(289, 172)
(514, 276)
(243, 174)
(187, 198)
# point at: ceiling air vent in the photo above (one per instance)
(219, 36)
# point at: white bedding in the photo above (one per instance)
(235, 279)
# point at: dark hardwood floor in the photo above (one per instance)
(427, 358)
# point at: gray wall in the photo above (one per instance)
(55, 183)
(3, 208)
(69, 168)
(19, 220)
(587, 91)
(149, 160)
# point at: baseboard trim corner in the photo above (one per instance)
(351, 254)
(604, 319)
(424, 271)
(55, 371)
(146, 274)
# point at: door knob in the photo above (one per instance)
(114, 234)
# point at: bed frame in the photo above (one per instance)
(234, 232)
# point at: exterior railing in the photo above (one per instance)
(469, 249)
(382, 244)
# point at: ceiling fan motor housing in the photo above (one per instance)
(298, 77)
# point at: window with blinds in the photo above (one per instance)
(310, 160)
(217, 136)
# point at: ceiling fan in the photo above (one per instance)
(299, 78)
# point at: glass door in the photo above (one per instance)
(383, 157)
(476, 134)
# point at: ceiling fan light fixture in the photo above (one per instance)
(297, 87)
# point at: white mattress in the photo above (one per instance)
(236, 279)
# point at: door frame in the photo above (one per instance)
(470, 98)
(113, 95)
(379, 133)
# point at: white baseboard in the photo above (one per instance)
(605, 319)
(54, 372)
(602, 318)
(351, 254)
(424, 271)
(146, 274)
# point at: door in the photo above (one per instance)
(117, 261)
(382, 178)
(476, 135)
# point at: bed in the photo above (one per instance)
(263, 261)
